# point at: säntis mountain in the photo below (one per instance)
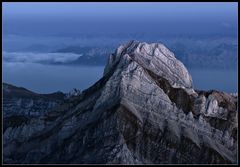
(143, 110)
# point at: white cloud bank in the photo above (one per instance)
(30, 57)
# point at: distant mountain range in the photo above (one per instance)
(219, 52)
(91, 55)
(222, 56)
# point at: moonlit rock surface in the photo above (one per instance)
(156, 58)
(144, 110)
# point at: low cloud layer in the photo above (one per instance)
(29, 57)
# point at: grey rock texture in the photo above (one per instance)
(20, 101)
(73, 92)
(20, 104)
(143, 110)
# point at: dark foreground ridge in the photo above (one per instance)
(143, 110)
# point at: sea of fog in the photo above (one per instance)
(50, 78)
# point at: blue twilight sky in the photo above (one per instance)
(112, 9)
(135, 16)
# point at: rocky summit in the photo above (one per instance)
(144, 110)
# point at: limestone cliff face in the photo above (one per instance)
(144, 110)
(156, 58)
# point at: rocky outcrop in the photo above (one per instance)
(20, 105)
(20, 101)
(73, 92)
(144, 110)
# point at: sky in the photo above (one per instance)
(118, 9)
(104, 16)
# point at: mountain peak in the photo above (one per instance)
(154, 57)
